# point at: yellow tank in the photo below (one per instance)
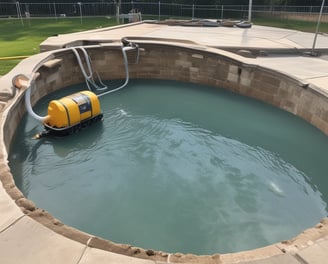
(73, 109)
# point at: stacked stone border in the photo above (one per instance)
(166, 61)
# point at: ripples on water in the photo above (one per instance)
(178, 167)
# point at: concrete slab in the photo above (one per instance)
(255, 37)
(111, 33)
(27, 242)
(93, 255)
(305, 40)
(279, 259)
(315, 254)
(249, 256)
(301, 67)
(321, 84)
(9, 211)
(226, 37)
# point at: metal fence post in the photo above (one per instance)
(19, 13)
(222, 8)
(317, 29)
(159, 10)
(80, 6)
(193, 11)
(118, 4)
(250, 11)
(55, 10)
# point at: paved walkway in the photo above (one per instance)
(285, 48)
(256, 37)
(24, 240)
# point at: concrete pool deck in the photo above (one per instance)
(25, 240)
(281, 49)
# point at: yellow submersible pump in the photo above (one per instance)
(74, 112)
(71, 113)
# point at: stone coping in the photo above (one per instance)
(31, 235)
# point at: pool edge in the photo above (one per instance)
(310, 242)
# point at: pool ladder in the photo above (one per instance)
(89, 73)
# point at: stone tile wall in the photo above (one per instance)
(168, 62)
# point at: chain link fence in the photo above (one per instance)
(154, 10)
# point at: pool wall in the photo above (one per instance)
(168, 61)
(175, 62)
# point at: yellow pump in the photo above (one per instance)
(73, 112)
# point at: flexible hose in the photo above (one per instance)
(126, 66)
(29, 87)
(88, 77)
(29, 106)
(77, 55)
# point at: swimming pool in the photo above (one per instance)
(179, 167)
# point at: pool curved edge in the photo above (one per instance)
(27, 227)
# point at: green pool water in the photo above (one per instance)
(179, 167)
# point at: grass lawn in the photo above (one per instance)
(19, 40)
(306, 26)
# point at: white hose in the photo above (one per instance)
(88, 77)
(77, 55)
(126, 66)
(29, 105)
(29, 87)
